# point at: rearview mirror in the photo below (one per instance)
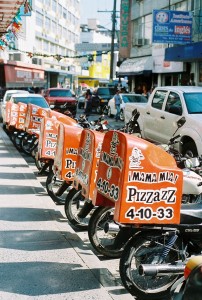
(181, 122)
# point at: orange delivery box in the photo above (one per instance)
(14, 110)
(8, 112)
(87, 162)
(20, 124)
(48, 134)
(141, 179)
(66, 151)
(34, 116)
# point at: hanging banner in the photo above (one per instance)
(170, 26)
(26, 8)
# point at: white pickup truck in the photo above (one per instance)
(166, 105)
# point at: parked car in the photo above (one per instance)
(6, 98)
(31, 98)
(58, 97)
(101, 97)
(126, 98)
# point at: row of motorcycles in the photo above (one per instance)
(138, 201)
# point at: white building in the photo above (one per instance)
(52, 30)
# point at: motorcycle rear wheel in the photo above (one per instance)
(103, 243)
(57, 189)
(144, 248)
(72, 209)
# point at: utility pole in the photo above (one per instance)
(112, 40)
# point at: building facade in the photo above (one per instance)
(52, 30)
(145, 62)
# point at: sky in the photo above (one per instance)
(89, 9)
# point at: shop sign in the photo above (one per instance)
(170, 26)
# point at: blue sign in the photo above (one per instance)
(26, 9)
(171, 26)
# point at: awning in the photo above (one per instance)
(190, 52)
(136, 66)
(8, 10)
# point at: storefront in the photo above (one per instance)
(191, 56)
(138, 70)
(18, 75)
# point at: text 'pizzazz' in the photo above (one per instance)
(112, 161)
(166, 195)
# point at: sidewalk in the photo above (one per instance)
(41, 256)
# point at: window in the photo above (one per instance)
(54, 5)
(142, 31)
(159, 99)
(64, 13)
(60, 10)
(193, 102)
(47, 23)
(173, 104)
(39, 19)
(54, 27)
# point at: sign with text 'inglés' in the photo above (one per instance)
(171, 26)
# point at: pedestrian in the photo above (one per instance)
(88, 107)
(117, 102)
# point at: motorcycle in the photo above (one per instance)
(155, 257)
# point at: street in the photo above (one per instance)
(41, 255)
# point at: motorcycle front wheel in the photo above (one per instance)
(105, 243)
(146, 248)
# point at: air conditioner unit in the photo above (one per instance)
(37, 61)
(138, 42)
(17, 57)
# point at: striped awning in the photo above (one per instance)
(8, 10)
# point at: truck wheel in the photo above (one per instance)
(190, 149)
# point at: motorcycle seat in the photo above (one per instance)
(191, 213)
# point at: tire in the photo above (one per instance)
(145, 248)
(26, 143)
(109, 112)
(190, 149)
(17, 141)
(72, 209)
(103, 242)
(57, 189)
(122, 117)
(99, 110)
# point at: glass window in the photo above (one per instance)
(193, 102)
(64, 13)
(158, 99)
(60, 93)
(45, 46)
(54, 5)
(54, 27)
(39, 19)
(60, 9)
(47, 23)
(173, 104)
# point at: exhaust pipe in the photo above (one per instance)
(111, 228)
(162, 269)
